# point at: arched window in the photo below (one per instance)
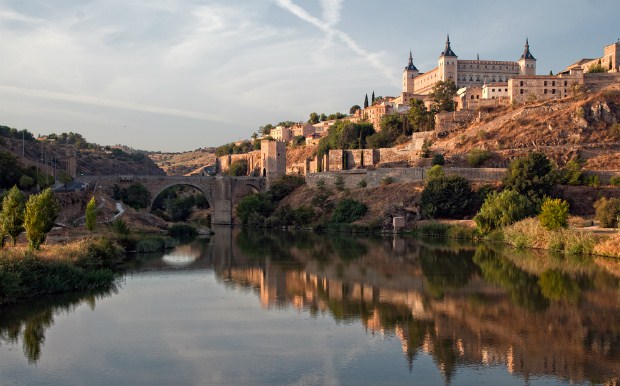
(471, 78)
(500, 79)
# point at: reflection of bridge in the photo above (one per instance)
(222, 193)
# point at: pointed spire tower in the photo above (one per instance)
(527, 62)
(409, 74)
(447, 63)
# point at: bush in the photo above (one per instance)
(531, 176)
(571, 174)
(258, 203)
(615, 181)
(238, 168)
(285, 186)
(387, 181)
(120, 227)
(554, 214)
(476, 157)
(438, 159)
(434, 172)
(449, 196)
(348, 210)
(91, 215)
(179, 231)
(607, 212)
(339, 183)
(502, 209)
(151, 245)
(362, 183)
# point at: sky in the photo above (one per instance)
(178, 75)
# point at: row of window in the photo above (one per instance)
(471, 66)
(546, 82)
(500, 79)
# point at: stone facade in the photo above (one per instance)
(541, 87)
(273, 160)
(281, 133)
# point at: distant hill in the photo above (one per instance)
(91, 158)
(178, 164)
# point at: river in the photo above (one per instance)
(279, 308)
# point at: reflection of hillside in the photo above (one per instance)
(28, 321)
(458, 306)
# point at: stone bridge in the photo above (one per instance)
(222, 193)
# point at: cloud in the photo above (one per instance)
(331, 14)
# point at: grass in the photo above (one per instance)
(442, 230)
(83, 265)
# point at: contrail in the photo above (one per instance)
(331, 15)
(104, 102)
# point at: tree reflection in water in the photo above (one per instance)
(30, 320)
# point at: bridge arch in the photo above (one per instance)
(160, 189)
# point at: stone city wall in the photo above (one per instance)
(448, 122)
(595, 82)
(378, 177)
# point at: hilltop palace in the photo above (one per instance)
(492, 82)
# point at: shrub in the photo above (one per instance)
(592, 180)
(151, 245)
(615, 181)
(349, 210)
(120, 227)
(571, 174)
(258, 203)
(362, 183)
(339, 183)
(607, 212)
(387, 180)
(476, 157)
(179, 231)
(238, 168)
(320, 183)
(531, 176)
(502, 209)
(285, 186)
(438, 159)
(435, 172)
(449, 196)
(425, 152)
(554, 214)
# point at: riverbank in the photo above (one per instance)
(80, 265)
(529, 233)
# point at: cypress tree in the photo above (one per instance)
(91, 215)
(366, 102)
(373, 97)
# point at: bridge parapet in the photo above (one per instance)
(222, 193)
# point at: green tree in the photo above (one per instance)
(238, 168)
(372, 100)
(436, 171)
(12, 214)
(366, 101)
(354, 109)
(348, 210)
(10, 170)
(443, 95)
(531, 176)
(39, 217)
(323, 117)
(607, 212)
(502, 209)
(91, 215)
(420, 119)
(449, 196)
(137, 196)
(554, 214)
(314, 118)
(597, 68)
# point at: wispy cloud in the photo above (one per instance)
(104, 102)
(331, 17)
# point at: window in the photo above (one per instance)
(545, 91)
(553, 83)
(545, 83)
(472, 97)
(506, 90)
(521, 83)
(492, 90)
(521, 91)
(552, 91)
(565, 83)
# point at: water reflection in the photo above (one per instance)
(536, 315)
(27, 322)
(462, 305)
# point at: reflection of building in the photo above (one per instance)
(470, 322)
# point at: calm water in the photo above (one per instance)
(300, 309)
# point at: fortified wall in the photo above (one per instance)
(380, 176)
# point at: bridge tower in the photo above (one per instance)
(273, 160)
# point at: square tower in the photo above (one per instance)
(273, 160)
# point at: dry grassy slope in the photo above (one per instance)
(89, 161)
(563, 129)
(175, 164)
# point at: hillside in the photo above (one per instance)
(93, 161)
(586, 127)
(178, 164)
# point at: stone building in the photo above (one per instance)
(281, 133)
(273, 160)
(464, 73)
(610, 60)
